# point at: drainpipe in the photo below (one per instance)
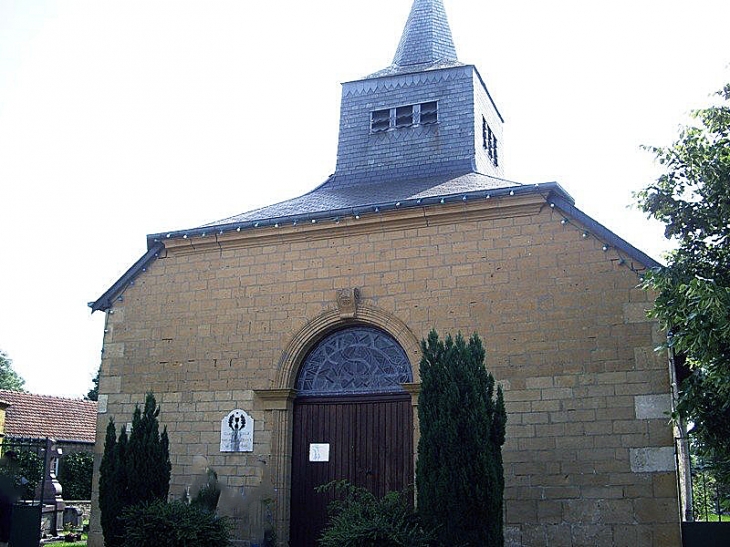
(684, 465)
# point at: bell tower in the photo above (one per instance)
(426, 115)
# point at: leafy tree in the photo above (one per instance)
(93, 394)
(9, 379)
(74, 474)
(24, 468)
(134, 469)
(692, 198)
(459, 474)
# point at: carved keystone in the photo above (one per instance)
(347, 300)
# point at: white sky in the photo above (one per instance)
(120, 119)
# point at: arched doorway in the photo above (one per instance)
(352, 420)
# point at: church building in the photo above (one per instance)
(282, 344)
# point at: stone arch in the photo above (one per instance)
(331, 320)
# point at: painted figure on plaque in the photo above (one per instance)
(237, 432)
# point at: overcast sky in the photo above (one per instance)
(120, 119)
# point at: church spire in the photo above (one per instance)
(427, 115)
(426, 37)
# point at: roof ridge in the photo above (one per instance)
(59, 397)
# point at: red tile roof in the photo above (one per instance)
(39, 416)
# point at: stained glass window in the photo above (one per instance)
(354, 360)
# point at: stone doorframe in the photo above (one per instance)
(278, 402)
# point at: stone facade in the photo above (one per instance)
(222, 322)
(415, 230)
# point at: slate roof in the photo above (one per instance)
(334, 197)
(426, 46)
(394, 69)
(426, 42)
(40, 416)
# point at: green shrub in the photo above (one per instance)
(174, 524)
(360, 519)
(74, 474)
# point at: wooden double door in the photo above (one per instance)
(365, 439)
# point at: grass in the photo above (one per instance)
(712, 517)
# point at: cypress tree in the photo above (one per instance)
(120, 471)
(459, 473)
(148, 456)
(133, 469)
(111, 488)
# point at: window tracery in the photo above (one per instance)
(354, 360)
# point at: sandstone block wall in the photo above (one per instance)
(589, 452)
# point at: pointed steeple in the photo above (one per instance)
(426, 115)
(426, 37)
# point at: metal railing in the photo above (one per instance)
(704, 485)
(23, 472)
(710, 491)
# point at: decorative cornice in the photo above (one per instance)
(405, 215)
(396, 81)
(410, 213)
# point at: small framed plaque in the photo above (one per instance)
(237, 432)
(319, 452)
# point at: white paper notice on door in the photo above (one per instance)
(319, 452)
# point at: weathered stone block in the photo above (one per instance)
(654, 406)
(653, 459)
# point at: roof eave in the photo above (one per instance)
(600, 231)
(11, 436)
(155, 242)
(106, 300)
(335, 214)
(554, 194)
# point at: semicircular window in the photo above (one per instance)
(353, 361)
